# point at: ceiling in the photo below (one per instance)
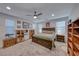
(23, 9)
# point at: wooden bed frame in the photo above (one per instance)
(46, 43)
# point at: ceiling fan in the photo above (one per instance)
(35, 15)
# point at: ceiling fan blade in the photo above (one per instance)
(39, 14)
(35, 12)
(29, 15)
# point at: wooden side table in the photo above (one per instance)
(60, 38)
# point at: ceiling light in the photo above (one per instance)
(8, 8)
(35, 17)
(52, 14)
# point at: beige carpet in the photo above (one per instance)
(28, 48)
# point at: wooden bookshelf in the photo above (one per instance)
(76, 27)
(70, 45)
(76, 53)
(76, 35)
(73, 38)
(70, 39)
(76, 45)
(70, 33)
(70, 28)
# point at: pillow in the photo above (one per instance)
(48, 32)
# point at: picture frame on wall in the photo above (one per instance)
(48, 24)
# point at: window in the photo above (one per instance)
(37, 27)
(34, 26)
(10, 27)
(60, 27)
(40, 28)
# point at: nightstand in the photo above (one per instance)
(60, 38)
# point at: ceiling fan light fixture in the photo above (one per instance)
(53, 15)
(35, 17)
(8, 8)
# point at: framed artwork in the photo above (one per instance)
(48, 24)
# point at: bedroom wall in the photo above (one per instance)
(52, 24)
(53, 21)
(74, 13)
(3, 18)
(2, 28)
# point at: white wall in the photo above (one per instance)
(74, 13)
(52, 24)
(2, 28)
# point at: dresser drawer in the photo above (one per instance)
(6, 43)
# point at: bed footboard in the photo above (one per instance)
(43, 42)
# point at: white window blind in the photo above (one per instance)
(34, 26)
(10, 26)
(40, 28)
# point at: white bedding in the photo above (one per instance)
(45, 36)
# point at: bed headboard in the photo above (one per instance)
(48, 30)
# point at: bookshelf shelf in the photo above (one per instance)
(76, 54)
(70, 45)
(70, 33)
(76, 45)
(70, 39)
(76, 27)
(70, 28)
(76, 35)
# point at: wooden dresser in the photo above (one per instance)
(9, 42)
(60, 38)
